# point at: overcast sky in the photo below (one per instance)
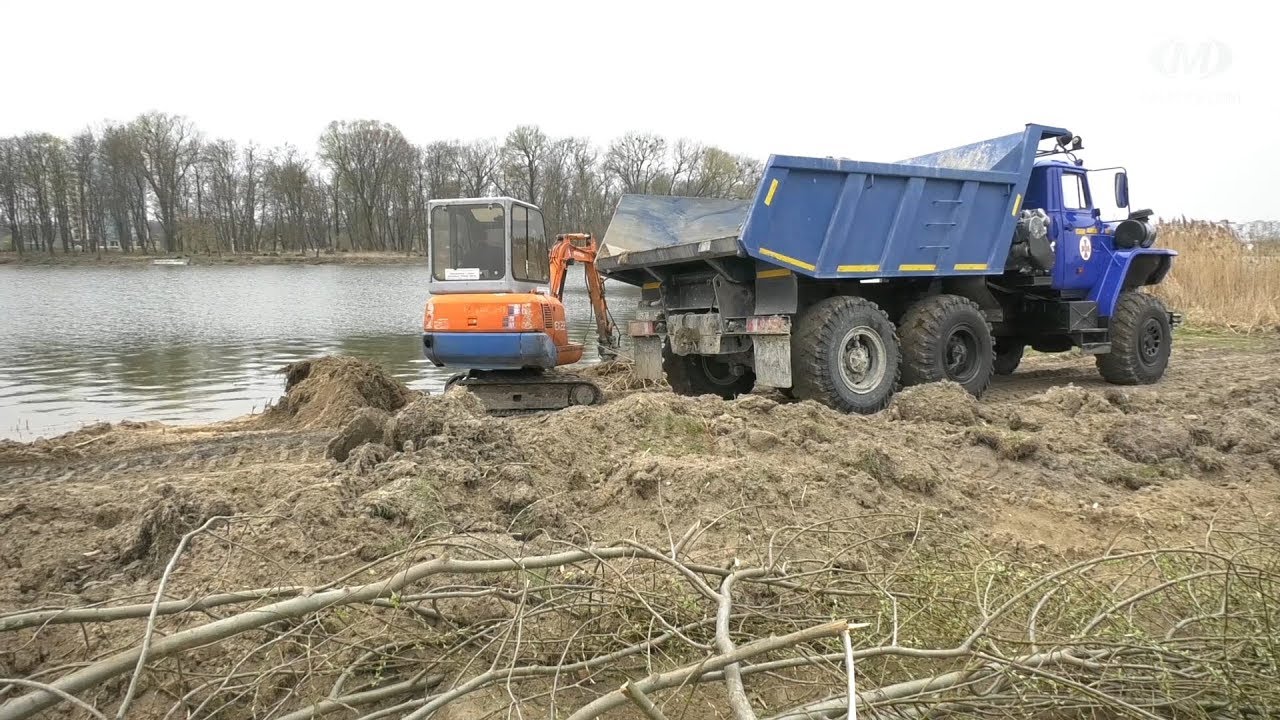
(1186, 95)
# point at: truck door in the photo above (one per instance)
(1075, 231)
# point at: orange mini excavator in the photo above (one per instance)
(497, 304)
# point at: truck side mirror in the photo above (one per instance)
(1122, 190)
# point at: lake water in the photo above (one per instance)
(195, 344)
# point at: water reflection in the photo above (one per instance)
(193, 344)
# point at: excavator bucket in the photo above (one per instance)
(653, 230)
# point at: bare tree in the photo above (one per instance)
(39, 155)
(441, 163)
(169, 146)
(523, 155)
(478, 168)
(368, 193)
(288, 187)
(125, 186)
(685, 156)
(88, 199)
(11, 188)
(233, 176)
(636, 160)
(364, 156)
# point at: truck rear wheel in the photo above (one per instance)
(1008, 356)
(1141, 340)
(946, 337)
(704, 375)
(844, 354)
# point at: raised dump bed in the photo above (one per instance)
(949, 212)
(654, 230)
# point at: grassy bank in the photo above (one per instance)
(119, 258)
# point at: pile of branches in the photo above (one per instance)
(880, 613)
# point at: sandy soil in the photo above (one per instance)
(1052, 459)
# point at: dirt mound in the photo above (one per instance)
(1071, 401)
(367, 425)
(944, 402)
(1245, 430)
(455, 415)
(162, 524)
(327, 392)
(366, 457)
(1149, 439)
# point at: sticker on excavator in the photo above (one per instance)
(462, 274)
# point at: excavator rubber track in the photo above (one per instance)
(519, 392)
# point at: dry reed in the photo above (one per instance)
(1218, 281)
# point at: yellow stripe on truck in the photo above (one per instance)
(971, 266)
(857, 268)
(773, 188)
(786, 258)
(917, 268)
(774, 273)
(1017, 204)
(652, 285)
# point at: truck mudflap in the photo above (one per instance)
(771, 349)
(646, 343)
(648, 357)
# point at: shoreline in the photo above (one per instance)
(120, 259)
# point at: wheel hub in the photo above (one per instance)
(960, 354)
(862, 364)
(1149, 344)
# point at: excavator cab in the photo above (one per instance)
(496, 305)
(491, 245)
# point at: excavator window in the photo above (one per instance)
(530, 259)
(468, 242)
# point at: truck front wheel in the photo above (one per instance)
(1141, 340)
(704, 375)
(946, 337)
(844, 354)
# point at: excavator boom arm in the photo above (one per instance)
(581, 248)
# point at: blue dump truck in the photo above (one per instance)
(842, 280)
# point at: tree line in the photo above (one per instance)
(158, 185)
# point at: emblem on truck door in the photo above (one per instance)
(1086, 247)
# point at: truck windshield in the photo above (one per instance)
(468, 242)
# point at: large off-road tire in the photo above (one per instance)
(1141, 340)
(704, 375)
(844, 354)
(1008, 355)
(946, 337)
